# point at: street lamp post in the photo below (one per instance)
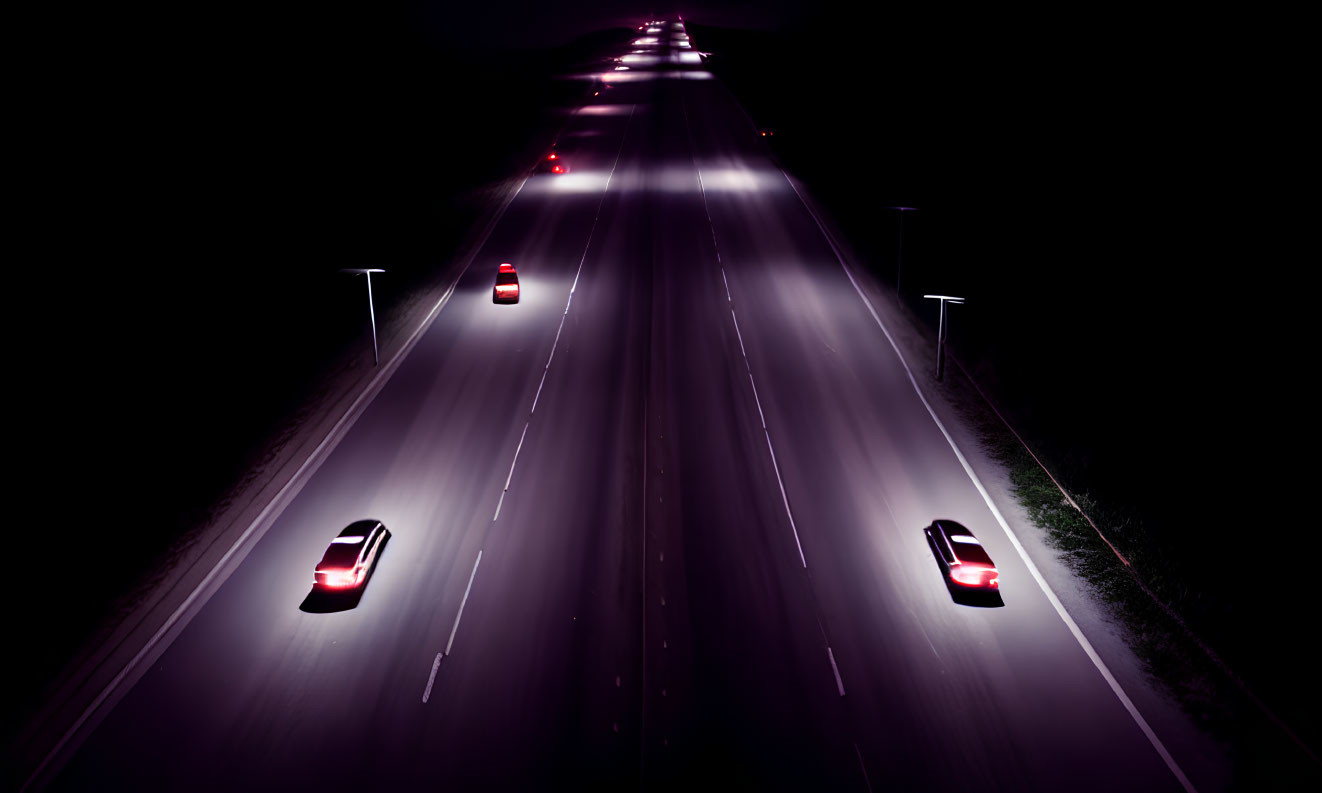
(371, 312)
(899, 253)
(941, 332)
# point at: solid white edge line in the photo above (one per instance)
(540, 383)
(742, 351)
(432, 677)
(464, 602)
(839, 684)
(1000, 519)
(337, 432)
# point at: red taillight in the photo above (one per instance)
(557, 169)
(507, 289)
(975, 576)
(337, 579)
(552, 156)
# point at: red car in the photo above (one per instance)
(963, 559)
(507, 285)
(554, 163)
(350, 558)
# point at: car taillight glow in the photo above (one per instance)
(975, 576)
(338, 579)
(507, 289)
(551, 156)
(558, 169)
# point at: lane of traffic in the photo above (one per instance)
(754, 700)
(549, 631)
(270, 687)
(991, 692)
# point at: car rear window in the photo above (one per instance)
(506, 278)
(969, 551)
(341, 554)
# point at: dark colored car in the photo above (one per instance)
(554, 163)
(507, 285)
(349, 559)
(962, 558)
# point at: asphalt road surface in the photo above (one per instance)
(658, 601)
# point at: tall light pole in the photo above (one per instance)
(899, 253)
(941, 332)
(371, 312)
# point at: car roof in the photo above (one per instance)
(967, 552)
(949, 527)
(341, 555)
(360, 528)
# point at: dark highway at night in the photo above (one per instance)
(696, 474)
(682, 511)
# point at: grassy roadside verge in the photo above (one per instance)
(1264, 756)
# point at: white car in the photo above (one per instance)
(349, 560)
